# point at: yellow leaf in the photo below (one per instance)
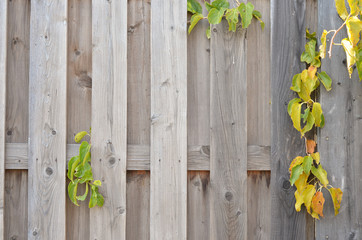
(312, 71)
(316, 157)
(296, 161)
(301, 182)
(323, 46)
(317, 205)
(295, 115)
(351, 55)
(308, 194)
(341, 9)
(318, 114)
(336, 194)
(354, 27)
(298, 201)
(353, 5)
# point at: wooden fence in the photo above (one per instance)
(191, 137)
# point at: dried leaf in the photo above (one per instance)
(311, 144)
(317, 205)
(336, 194)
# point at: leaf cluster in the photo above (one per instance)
(80, 172)
(219, 9)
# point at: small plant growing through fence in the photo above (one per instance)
(80, 172)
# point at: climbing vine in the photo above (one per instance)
(219, 9)
(80, 172)
(307, 173)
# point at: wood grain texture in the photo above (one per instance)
(109, 116)
(3, 57)
(139, 112)
(259, 122)
(168, 120)
(228, 121)
(17, 94)
(47, 120)
(79, 96)
(198, 130)
(288, 21)
(340, 139)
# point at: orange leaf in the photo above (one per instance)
(312, 71)
(317, 204)
(311, 144)
(296, 161)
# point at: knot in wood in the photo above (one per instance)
(228, 196)
(49, 171)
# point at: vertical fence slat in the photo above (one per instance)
(340, 140)
(47, 119)
(228, 121)
(168, 120)
(3, 47)
(287, 20)
(109, 117)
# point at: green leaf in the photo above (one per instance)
(326, 80)
(317, 114)
(295, 115)
(350, 54)
(80, 136)
(310, 36)
(354, 27)
(257, 15)
(84, 196)
(336, 194)
(87, 176)
(296, 83)
(208, 33)
(87, 158)
(194, 6)
(215, 15)
(296, 171)
(232, 16)
(208, 6)
(93, 198)
(341, 9)
(246, 13)
(100, 200)
(309, 125)
(321, 174)
(219, 4)
(81, 170)
(307, 164)
(83, 149)
(72, 164)
(291, 102)
(194, 20)
(296, 161)
(309, 54)
(72, 191)
(359, 63)
(97, 183)
(323, 46)
(305, 114)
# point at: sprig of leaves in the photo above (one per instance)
(80, 172)
(307, 173)
(219, 9)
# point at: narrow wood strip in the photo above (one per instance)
(228, 124)
(109, 117)
(47, 119)
(138, 157)
(3, 57)
(168, 122)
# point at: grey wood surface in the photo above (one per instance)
(17, 120)
(168, 120)
(47, 120)
(139, 112)
(287, 41)
(3, 58)
(340, 140)
(109, 116)
(228, 124)
(79, 94)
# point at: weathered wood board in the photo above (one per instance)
(47, 120)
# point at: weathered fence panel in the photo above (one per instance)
(340, 142)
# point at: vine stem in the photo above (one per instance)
(334, 35)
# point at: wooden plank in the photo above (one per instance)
(139, 112)
(228, 121)
(3, 68)
(17, 120)
(47, 120)
(79, 96)
(340, 139)
(109, 116)
(138, 157)
(287, 41)
(198, 130)
(259, 122)
(168, 120)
